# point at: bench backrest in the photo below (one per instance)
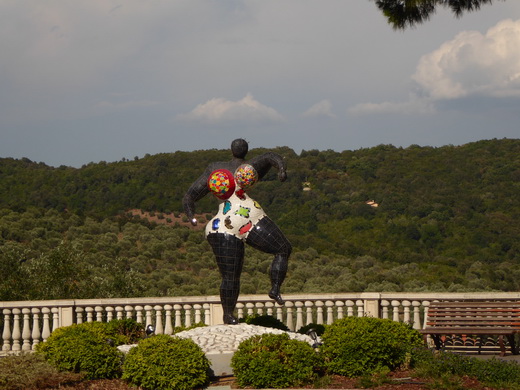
(474, 314)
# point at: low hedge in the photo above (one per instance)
(165, 362)
(82, 348)
(269, 360)
(355, 346)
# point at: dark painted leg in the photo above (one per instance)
(229, 253)
(268, 238)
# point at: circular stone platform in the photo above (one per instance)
(219, 342)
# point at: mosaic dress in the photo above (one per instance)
(238, 213)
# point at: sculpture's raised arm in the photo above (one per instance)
(198, 190)
(264, 162)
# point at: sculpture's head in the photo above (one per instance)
(239, 148)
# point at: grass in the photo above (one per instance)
(31, 371)
(448, 369)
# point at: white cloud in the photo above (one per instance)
(474, 64)
(219, 110)
(471, 64)
(322, 108)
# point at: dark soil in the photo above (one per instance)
(403, 380)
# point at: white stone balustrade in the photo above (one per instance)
(25, 324)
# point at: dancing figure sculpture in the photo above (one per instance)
(240, 220)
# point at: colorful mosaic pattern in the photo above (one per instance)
(236, 216)
(221, 183)
(246, 176)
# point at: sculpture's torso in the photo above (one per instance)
(236, 216)
(237, 213)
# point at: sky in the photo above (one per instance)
(104, 80)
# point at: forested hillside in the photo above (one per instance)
(375, 219)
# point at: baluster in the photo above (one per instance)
(120, 312)
(197, 308)
(299, 314)
(259, 308)
(426, 305)
(250, 307)
(330, 312)
(385, 304)
(17, 335)
(110, 313)
(99, 313)
(187, 315)
(308, 309)
(416, 314)
(395, 310)
(36, 327)
(289, 322)
(46, 331)
(406, 317)
(269, 305)
(178, 315)
(168, 329)
(90, 313)
(26, 332)
(240, 310)
(79, 316)
(279, 312)
(148, 313)
(350, 308)
(139, 314)
(319, 312)
(360, 308)
(339, 305)
(55, 318)
(6, 334)
(158, 320)
(129, 311)
(207, 313)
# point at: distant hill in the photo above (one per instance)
(448, 215)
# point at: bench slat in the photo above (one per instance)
(473, 318)
(469, 331)
(477, 304)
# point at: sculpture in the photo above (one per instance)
(239, 220)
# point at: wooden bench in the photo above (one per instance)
(474, 318)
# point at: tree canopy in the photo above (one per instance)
(374, 219)
(402, 14)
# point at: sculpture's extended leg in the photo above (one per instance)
(229, 253)
(267, 237)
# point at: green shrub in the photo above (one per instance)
(164, 362)
(82, 348)
(28, 371)
(497, 373)
(446, 366)
(355, 346)
(117, 332)
(127, 331)
(318, 328)
(266, 321)
(276, 361)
